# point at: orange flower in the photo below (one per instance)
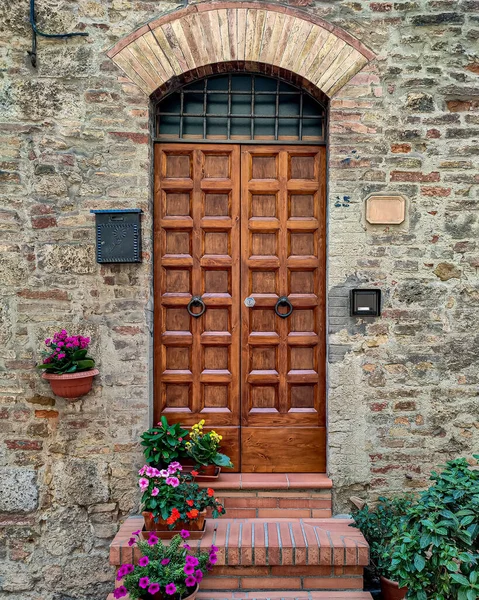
(170, 520)
(211, 492)
(194, 473)
(190, 502)
(192, 514)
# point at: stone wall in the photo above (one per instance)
(74, 136)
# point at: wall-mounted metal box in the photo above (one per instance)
(365, 303)
(118, 235)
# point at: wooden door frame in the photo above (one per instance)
(322, 254)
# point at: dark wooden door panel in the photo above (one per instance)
(283, 360)
(197, 254)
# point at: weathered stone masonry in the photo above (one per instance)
(74, 136)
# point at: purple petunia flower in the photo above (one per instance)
(198, 575)
(189, 569)
(192, 560)
(152, 540)
(165, 561)
(213, 558)
(144, 560)
(214, 548)
(154, 588)
(170, 589)
(185, 534)
(131, 541)
(137, 532)
(144, 582)
(186, 546)
(120, 592)
(128, 568)
(190, 581)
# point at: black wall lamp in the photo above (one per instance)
(365, 303)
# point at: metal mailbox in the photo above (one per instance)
(118, 235)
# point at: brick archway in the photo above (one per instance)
(202, 35)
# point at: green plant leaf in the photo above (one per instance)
(222, 460)
(79, 354)
(83, 365)
(419, 562)
(459, 578)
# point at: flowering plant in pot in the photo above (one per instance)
(67, 366)
(379, 525)
(202, 447)
(172, 500)
(164, 443)
(164, 571)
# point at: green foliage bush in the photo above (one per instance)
(435, 551)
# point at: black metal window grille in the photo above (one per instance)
(240, 108)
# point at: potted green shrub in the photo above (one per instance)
(379, 525)
(435, 551)
(67, 366)
(171, 500)
(164, 571)
(202, 447)
(164, 443)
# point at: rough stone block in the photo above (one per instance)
(18, 490)
(81, 482)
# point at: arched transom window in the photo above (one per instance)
(243, 108)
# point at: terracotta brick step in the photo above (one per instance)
(279, 595)
(268, 542)
(270, 481)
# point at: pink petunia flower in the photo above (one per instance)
(173, 481)
(152, 540)
(189, 569)
(213, 558)
(144, 582)
(154, 588)
(190, 581)
(144, 560)
(198, 575)
(120, 592)
(192, 560)
(131, 542)
(184, 533)
(170, 589)
(165, 561)
(143, 483)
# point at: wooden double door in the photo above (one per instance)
(240, 238)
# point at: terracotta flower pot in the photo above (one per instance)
(162, 525)
(391, 590)
(163, 596)
(71, 385)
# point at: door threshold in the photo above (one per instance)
(272, 481)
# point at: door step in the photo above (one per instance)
(262, 554)
(278, 595)
(274, 495)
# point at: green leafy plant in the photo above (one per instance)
(203, 447)
(378, 525)
(66, 354)
(164, 443)
(173, 496)
(167, 569)
(435, 552)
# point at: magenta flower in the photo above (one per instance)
(192, 560)
(152, 540)
(214, 548)
(128, 569)
(174, 466)
(120, 592)
(173, 481)
(131, 541)
(170, 589)
(142, 470)
(144, 560)
(165, 561)
(120, 574)
(190, 581)
(48, 341)
(137, 532)
(213, 558)
(155, 491)
(164, 473)
(186, 546)
(144, 582)
(143, 483)
(154, 588)
(185, 534)
(61, 355)
(198, 575)
(189, 569)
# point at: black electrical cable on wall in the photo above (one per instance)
(36, 31)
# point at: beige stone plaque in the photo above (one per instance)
(385, 210)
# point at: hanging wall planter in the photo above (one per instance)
(67, 366)
(71, 385)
